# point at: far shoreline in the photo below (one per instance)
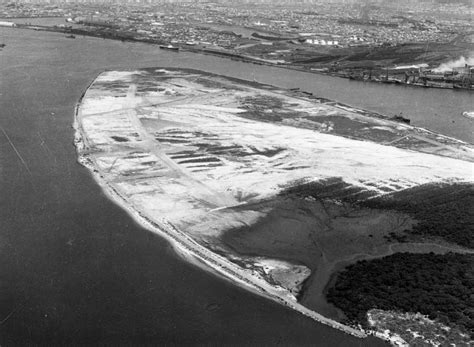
(216, 52)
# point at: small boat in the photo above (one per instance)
(353, 77)
(71, 36)
(465, 85)
(400, 119)
(468, 114)
(169, 47)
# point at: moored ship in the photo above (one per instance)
(169, 47)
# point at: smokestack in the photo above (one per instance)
(453, 64)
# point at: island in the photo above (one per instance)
(276, 190)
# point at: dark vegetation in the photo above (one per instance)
(444, 211)
(111, 85)
(333, 188)
(274, 110)
(105, 31)
(266, 108)
(200, 160)
(119, 138)
(440, 286)
(353, 128)
(170, 140)
(262, 102)
(209, 83)
(209, 148)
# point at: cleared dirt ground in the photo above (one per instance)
(261, 175)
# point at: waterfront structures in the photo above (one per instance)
(365, 42)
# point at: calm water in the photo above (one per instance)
(74, 267)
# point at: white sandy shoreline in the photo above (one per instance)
(227, 273)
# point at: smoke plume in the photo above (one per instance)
(450, 65)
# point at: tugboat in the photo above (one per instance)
(170, 47)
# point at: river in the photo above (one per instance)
(75, 267)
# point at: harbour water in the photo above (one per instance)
(75, 267)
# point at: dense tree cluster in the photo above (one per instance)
(440, 286)
(445, 211)
(333, 188)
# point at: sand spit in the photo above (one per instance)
(192, 251)
(184, 152)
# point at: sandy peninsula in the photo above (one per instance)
(198, 158)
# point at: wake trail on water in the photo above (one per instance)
(16, 151)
